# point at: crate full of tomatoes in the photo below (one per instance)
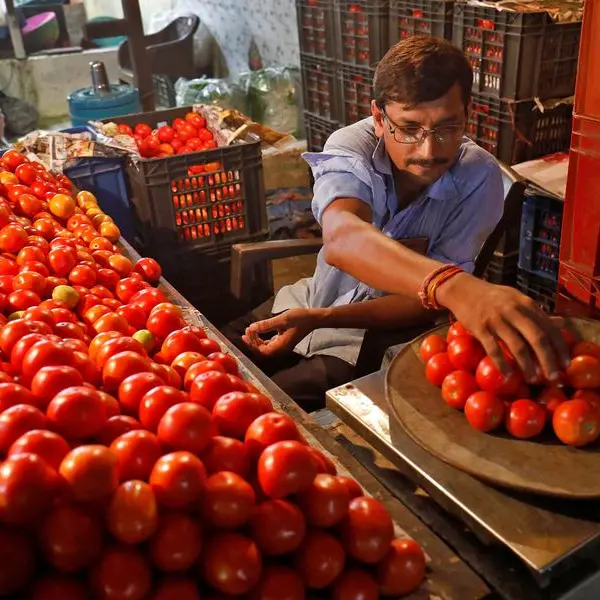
(492, 399)
(189, 189)
(138, 462)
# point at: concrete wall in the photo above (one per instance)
(46, 81)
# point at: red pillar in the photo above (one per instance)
(579, 274)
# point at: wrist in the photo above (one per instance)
(321, 317)
(454, 290)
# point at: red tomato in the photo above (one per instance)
(438, 367)
(208, 387)
(54, 587)
(149, 298)
(352, 486)
(49, 381)
(28, 280)
(116, 345)
(165, 134)
(455, 330)
(484, 411)
(124, 129)
(185, 426)
(199, 368)
(355, 584)
(491, 379)
(176, 588)
(432, 345)
(156, 402)
(320, 559)
(77, 413)
(178, 480)
(17, 420)
(209, 346)
(525, 419)
(465, 352)
(49, 446)
(83, 275)
(12, 332)
(91, 472)
(17, 562)
(142, 129)
(277, 526)
(550, 398)
(12, 394)
(402, 570)
(226, 360)
(232, 563)
(28, 486)
(579, 348)
(12, 238)
(133, 388)
(177, 542)
(325, 503)
(126, 288)
(584, 372)
(137, 451)
(115, 427)
(122, 573)
(180, 341)
(185, 360)
(286, 468)
(457, 387)
(267, 429)
(281, 583)
(234, 412)
(228, 500)
(367, 530)
(62, 260)
(120, 366)
(161, 323)
(132, 514)
(22, 347)
(591, 397)
(45, 354)
(26, 173)
(71, 537)
(569, 337)
(576, 423)
(226, 454)
(149, 269)
(195, 119)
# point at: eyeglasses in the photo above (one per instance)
(414, 134)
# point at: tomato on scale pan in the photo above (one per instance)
(138, 461)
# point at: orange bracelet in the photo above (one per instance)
(432, 283)
(438, 282)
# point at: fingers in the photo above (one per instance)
(492, 348)
(267, 325)
(518, 348)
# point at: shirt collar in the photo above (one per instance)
(442, 189)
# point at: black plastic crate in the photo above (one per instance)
(420, 17)
(518, 55)
(357, 92)
(317, 28)
(364, 30)
(318, 130)
(321, 87)
(539, 289)
(518, 131)
(197, 199)
(541, 224)
(502, 269)
(202, 276)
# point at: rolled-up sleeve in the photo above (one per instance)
(337, 177)
(465, 233)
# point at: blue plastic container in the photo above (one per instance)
(541, 222)
(106, 179)
(85, 105)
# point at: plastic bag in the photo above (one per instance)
(274, 98)
(209, 91)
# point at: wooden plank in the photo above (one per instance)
(449, 578)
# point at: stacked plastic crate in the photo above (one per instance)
(319, 65)
(524, 66)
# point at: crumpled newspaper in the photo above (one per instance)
(58, 150)
(561, 11)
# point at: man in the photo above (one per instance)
(407, 172)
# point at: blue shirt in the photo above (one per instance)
(456, 213)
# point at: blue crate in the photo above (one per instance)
(541, 222)
(105, 178)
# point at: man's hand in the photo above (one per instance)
(290, 327)
(493, 313)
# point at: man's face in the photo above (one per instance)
(428, 159)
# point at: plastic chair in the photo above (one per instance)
(170, 51)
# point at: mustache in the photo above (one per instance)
(426, 163)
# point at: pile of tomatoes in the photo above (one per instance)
(138, 462)
(181, 137)
(490, 399)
